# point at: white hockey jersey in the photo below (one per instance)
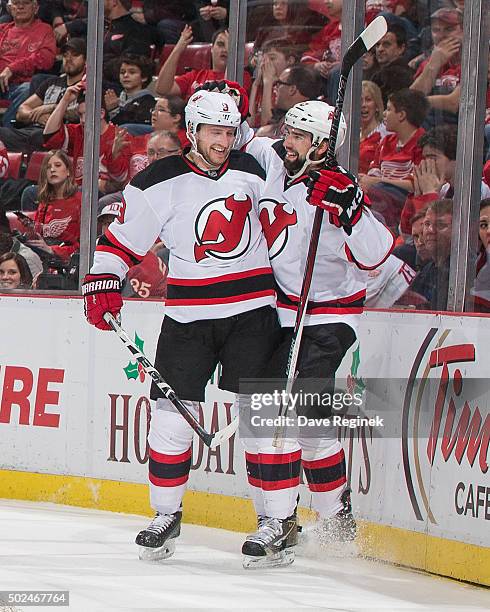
(387, 283)
(338, 287)
(218, 264)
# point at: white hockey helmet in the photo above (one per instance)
(213, 108)
(315, 117)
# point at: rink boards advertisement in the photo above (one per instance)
(74, 417)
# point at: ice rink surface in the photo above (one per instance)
(91, 554)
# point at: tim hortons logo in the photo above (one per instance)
(223, 228)
(275, 222)
(453, 431)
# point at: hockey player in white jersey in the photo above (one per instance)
(352, 242)
(220, 295)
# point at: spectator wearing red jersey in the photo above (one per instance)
(184, 85)
(440, 73)
(4, 161)
(373, 129)
(115, 149)
(434, 175)
(324, 49)
(27, 45)
(390, 176)
(277, 55)
(57, 219)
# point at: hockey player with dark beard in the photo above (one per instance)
(352, 241)
(203, 205)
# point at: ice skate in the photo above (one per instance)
(339, 528)
(272, 545)
(157, 541)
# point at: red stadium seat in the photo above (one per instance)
(34, 165)
(15, 164)
(15, 223)
(195, 56)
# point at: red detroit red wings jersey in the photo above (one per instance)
(338, 286)
(218, 264)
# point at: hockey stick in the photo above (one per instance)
(211, 440)
(363, 43)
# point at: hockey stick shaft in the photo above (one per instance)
(211, 440)
(365, 41)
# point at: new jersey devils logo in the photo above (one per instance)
(275, 224)
(223, 229)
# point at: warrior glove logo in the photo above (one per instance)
(275, 221)
(223, 228)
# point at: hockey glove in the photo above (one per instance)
(233, 89)
(101, 294)
(337, 192)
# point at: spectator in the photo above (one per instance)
(324, 49)
(10, 243)
(481, 288)
(124, 35)
(277, 55)
(158, 145)
(390, 175)
(213, 15)
(373, 129)
(134, 105)
(291, 19)
(441, 72)
(162, 144)
(57, 219)
(169, 17)
(414, 253)
(56, 12)
(434, 175)
(184, 85)
(115, 150)
(432, 282)
(295, 84)
(27, 45)
(14, 272)
(34, 112)
(394, 72)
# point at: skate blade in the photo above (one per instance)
(145, 553)
(279, 559)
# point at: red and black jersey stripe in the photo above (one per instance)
(108, 243)
(326, 474)
(351, 304)
(273, 472)
(169, 470)
(229, 287)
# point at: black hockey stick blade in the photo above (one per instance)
(211, 440)
(365, 41)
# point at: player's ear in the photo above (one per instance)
(322, 148)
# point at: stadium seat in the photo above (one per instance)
(34, 165)
(195, 56)
(15, 164)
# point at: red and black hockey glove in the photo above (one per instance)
(233, 89)
(101, 294)
(337, 192)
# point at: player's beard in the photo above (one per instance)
(294, 166)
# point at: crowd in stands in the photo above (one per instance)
(156, 54)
